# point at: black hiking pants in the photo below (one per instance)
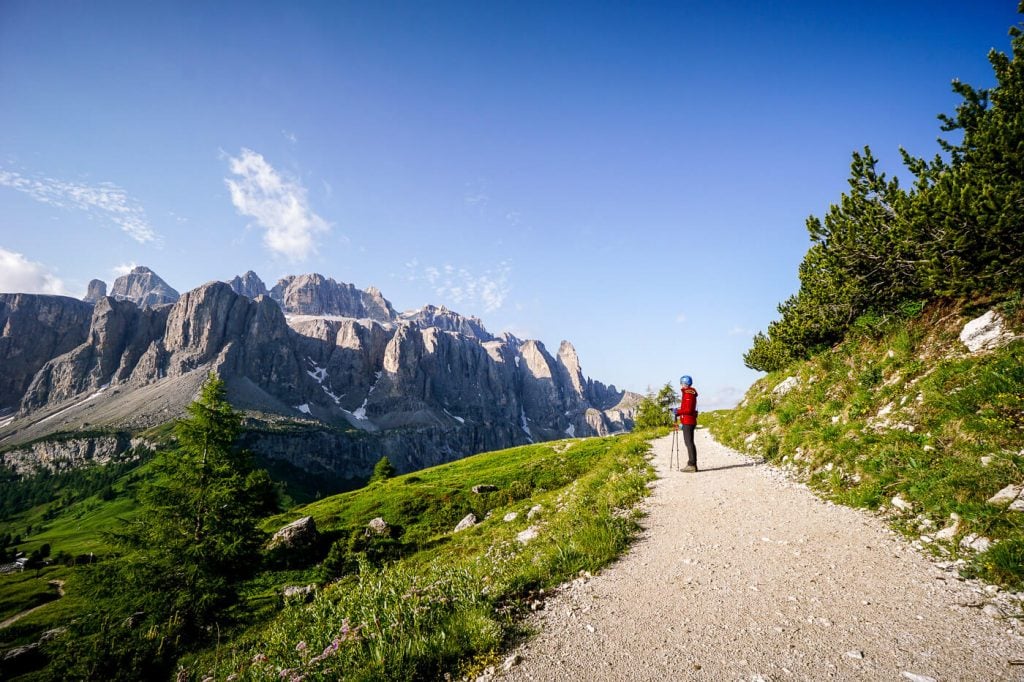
(691, 449)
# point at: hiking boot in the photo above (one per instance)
(690, 468)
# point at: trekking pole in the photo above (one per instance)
(674, 451)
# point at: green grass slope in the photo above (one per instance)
(899, 413)
(414, 603)
(426, 600)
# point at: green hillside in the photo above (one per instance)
(416, 601)
(424, 600)
(903, 410)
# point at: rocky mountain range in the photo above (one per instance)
(330, 377)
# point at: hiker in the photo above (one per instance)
(687, 416)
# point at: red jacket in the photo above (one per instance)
(687, 412)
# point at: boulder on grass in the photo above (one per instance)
(378, 526)
(468, 521)
(299, 534)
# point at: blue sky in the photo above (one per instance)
(632, 177)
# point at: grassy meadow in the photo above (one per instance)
(414, 602)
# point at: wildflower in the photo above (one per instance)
(260, 658)
(301, 646)
(348, 633)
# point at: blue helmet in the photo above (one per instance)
(686, 380)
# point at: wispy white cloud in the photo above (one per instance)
(462, 286)
(479, 199)
(19, 275)
(105, 200)
(737, 330)
(277, 203)
(476, 194)
(290, 136)
(123, 268)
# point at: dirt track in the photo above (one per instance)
(743, 575)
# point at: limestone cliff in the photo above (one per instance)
(33, 329)
(144, 287)
(330, 376)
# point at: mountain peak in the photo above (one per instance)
(97, 290)
(249, 285)
(314, 294)
(143, 287)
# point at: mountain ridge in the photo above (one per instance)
(333, 367)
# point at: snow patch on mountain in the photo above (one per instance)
(360, 412)
(319, 373)
(458, 419)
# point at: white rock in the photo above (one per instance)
(986, 460)
(750, 439)
(468, 521)
(1006, 495)
(976, 542)
(534, 510)
(511, 662)
(511, 516)
(914, 677)
(298, 592)
(835, 419)
(985, 333)
(786, 385)
(527, 535)
(886, 409)
(1017, 505)
(992, 610)
(949, 532)
(855, 654)
(900, 503)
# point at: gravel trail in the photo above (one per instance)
(744, 575)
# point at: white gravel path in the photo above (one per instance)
(744, 575)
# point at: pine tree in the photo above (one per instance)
(655, 409)
(882, 251)
(383, 470)
(182, 558)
